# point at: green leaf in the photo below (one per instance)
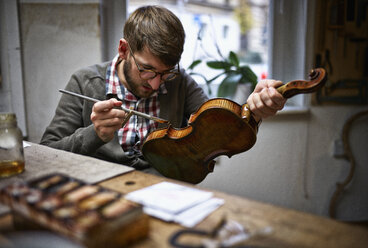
(219, 65)
(194, 64)
(228, 86)
(233, 58)
(248, 76)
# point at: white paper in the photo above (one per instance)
(172, 202)
(194, 215)
(165, 216)
(170, 197)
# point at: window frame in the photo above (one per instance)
(291, 48)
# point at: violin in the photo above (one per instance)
(219, 127)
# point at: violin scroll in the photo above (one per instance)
(317, 78)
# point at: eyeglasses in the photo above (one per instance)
(147, 74)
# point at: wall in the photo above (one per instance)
(57, 39)
(292, 164)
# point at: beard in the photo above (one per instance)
(135, 86)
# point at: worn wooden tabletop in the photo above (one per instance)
(286, 227)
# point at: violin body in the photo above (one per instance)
(188, 153)
(219, 127)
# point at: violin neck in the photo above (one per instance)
(287, 90)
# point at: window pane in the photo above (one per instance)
(216, 27)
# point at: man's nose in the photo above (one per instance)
(155, 82)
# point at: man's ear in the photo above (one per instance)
(123, 49)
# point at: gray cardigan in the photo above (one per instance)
(72, 130)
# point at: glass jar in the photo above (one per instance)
(11, 146)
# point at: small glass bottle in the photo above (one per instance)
(11, 146)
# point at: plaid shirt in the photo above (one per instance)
(133, 133)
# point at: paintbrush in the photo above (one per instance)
(154, 118)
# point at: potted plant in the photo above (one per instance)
(235, 75)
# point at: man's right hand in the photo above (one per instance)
(106, 118)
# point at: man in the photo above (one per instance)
(144, 76)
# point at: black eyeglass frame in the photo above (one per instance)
(173, 73)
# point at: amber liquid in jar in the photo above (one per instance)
(9, 168)
(11, 146)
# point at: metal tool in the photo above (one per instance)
(125, 109)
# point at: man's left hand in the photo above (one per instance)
(265, 100)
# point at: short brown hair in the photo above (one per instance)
(157, 28)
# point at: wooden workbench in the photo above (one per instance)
(289, 228)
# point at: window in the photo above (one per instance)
(269, 36)
(291, 49)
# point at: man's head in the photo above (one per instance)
(157, 29)
(150, 50)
